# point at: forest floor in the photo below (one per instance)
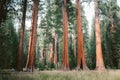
(62, 75)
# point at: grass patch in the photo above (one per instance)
(62, 75)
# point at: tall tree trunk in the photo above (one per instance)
(29, 48)
(51, 54)
(55, 44)
(20, 49)
(55, 50)
(99, 56)
(32, 40)
(65, 38)
(74, 43)
(81, 55)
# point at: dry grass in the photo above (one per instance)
(63, 75)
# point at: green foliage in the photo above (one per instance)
(72, 58)
(91, 59)
(110, 46)
(53, 20)
(6, 6)
(9, 45)
(109, 12)
(25, 48)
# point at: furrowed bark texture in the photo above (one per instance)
(65, 64)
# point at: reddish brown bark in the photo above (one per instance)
(81, 55)
(65, 64)
(51, 54)
(99, 56)
(20, 49)
(55, 59)
(29, 48)
(55, 49)
(32, 40)
(63, 55)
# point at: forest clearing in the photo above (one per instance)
(62, 75)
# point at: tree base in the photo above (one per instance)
(101, 68)
(29, 70)
(65, 68)
(84, 68)
(78, 68)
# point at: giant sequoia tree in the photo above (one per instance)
(99, 56)
(32, 39)
(65, 62)
(81, 55)
(20, 50)
(110, 22)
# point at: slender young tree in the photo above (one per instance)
(55, 49)
(81, 55)
(51, 53)
(20, 49)
(99, 56)
(44, 56)
(32, 40)
(65, 63)
(110, 15)
(74, 44)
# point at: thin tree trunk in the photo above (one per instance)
(51, 54)
(112, 28)
(65, 37)
(20, 49)
(29, 48)
(55, 50)
(44, 56)
(74, 44)
(81, 55)
(63, 54)
(99, 56)
(32, 40)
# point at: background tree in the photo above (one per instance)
(99, 56)
(109, 12)
(32, 39)
(81, 55)
(65, 64)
